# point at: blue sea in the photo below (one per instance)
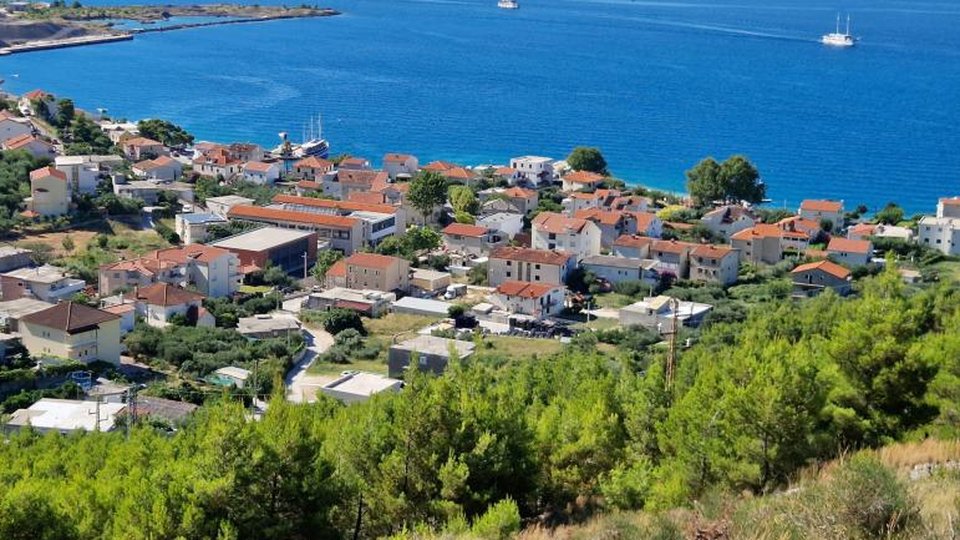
(657, 85)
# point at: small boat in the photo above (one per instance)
(838, 39)
(508, 4)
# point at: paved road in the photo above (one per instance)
(302, 386)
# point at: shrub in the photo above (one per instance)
(501, 521)
(870, 498)
(337, 320)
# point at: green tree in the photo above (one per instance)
(463, 200)
(65, 113)
(166, 132)
(585, 158)
(736, 179)
(337, 320)
(428, 191)
(325, 259)
(890, 215)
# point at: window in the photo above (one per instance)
(536, 267)
(509, 274)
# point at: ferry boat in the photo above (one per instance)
(313, 145)
(508, 4)
(837, 39)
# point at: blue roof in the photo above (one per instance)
(195, 219)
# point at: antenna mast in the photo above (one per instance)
(672, 352)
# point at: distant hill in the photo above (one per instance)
(21, 31)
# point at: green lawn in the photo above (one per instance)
(378, 365)
(396, 323)
(613, 300)
(518, 347)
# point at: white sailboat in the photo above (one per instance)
(508, 4)
(838, 39)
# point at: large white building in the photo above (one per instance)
(533, 169)
(553, 231)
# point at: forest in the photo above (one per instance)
(497, 443)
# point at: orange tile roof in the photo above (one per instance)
(307, 218)
(529, 255)
(829, 267)
(337, 270)
(439, 166)
(182, 254)
(633, 240)
(862, 229)
(163, 294)
(355, 161)
(505, 171)
(524, 289)
(671, 246)
(309, 184)
(360, 177)
(458, 173)
(583, 177)
(7, 115)
(20, 141)
(119, 309)
(551, 222)
(367, 197)
(371, 260)
(258, 166)
(465, 229)
(711, 251)
(48, 171)
(644, 220)
(141, 141)
(313, 162)
(519, 193)
(767, 230)
(400, 158)
(36, 94)
(814, 205)
(846, 245)
(605, 217)
(352, 206)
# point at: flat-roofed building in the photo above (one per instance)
(336, 232)
(294, 251)
(265, 326)
(620, 269)
(222, 205)
(48, 283)
(426, 353)
(356, 386)
(66, 416)
(192, 228)
(367, 302)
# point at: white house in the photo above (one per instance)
(259, 172)
(533, 169)
(940, 233)
(398, 165)
(506, 223)
(728, 220)
(553, 231)
(537, 300)
(161, 168)
(819, 210)
(160, 302)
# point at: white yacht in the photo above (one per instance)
(838, 39)
(508, 4)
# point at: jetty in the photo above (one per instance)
(127, 35)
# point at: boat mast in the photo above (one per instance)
(838, 22)
(848, 24)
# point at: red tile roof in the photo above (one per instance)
(551, 222)
(465, 229)
(519, 193)
(371, 260)
(633, 240)
(36, 94)
(524, 289)
(309, 184)
(458, 173)
(583, 177)
(290, 216)
(195, 252)
(396, 158)
(48, 171)
(829, 267)
(313, 162)
(862, 229)
(671, 246)
(258, 166)
(711, 251)
(844, 245)
(439, 166)
(537, 256)
(644, 220)
(20, 141)
(821, 206)
(141, 141)
(767, 230)
(605, 217)
(350, 206)
(360, 177)
(505, 171)
(163, 294)
(367, 197)
(337, 270)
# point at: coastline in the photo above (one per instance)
(104, 34)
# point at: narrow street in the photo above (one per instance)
(302, 386)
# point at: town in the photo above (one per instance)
(148, 272)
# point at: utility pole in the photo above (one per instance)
(97, 425)
(304, 265)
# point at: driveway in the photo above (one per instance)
(301, 386)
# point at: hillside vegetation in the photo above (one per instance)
(550, 441)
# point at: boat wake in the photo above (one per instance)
(717, 29)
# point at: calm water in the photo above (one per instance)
(656, 85)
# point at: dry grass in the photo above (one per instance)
(907, 455)
(395, 324)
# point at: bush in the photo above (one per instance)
(869, 497)
(337, 320)
(501, 521)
